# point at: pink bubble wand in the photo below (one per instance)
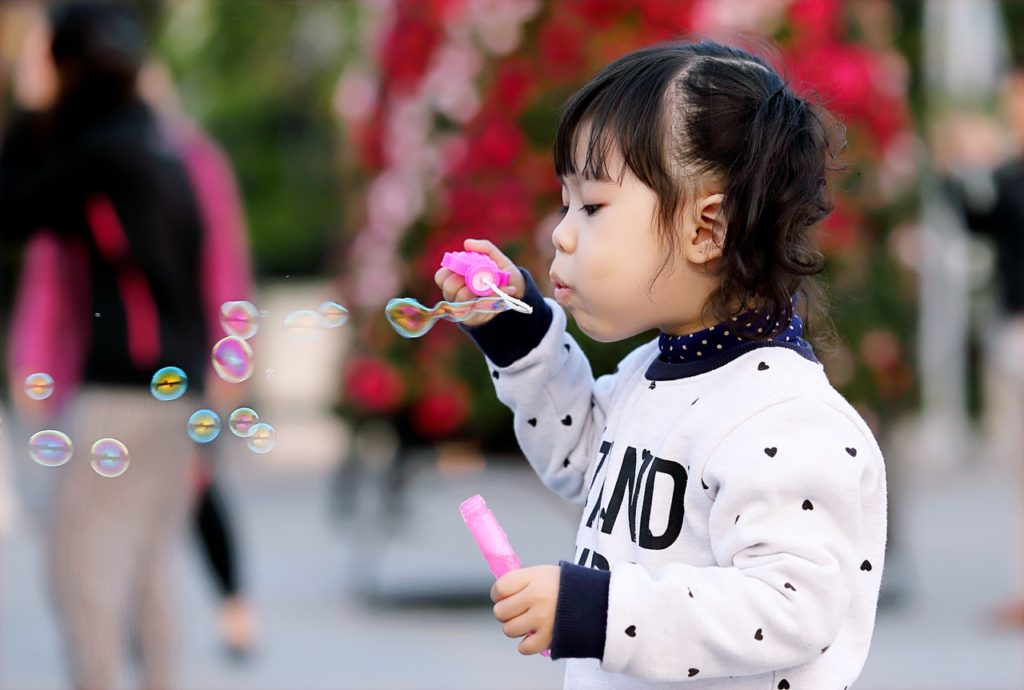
(490, 538)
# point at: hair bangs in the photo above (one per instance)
(620, 112)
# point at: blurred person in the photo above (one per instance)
(987, 179)
(109, 293)
(227, 276)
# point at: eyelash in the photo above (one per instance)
(589, 209)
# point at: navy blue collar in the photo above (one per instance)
(697, 353)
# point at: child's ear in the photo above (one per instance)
(706, 237)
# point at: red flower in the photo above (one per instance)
(816, 20)
(497, 145)
(407, 48)
(665, 18)
(372, 384)
(512, 84)
(600, 14)
(561, 50)
(441, 410)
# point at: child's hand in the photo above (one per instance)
(453, 286)
(525, 601)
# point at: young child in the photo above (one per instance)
(733, 524)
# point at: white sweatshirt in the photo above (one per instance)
(741, 512)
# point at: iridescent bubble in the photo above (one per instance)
(232, 359)
(39, 386)
(203, 426)
(304, 325)
(262, 438)
(410, 319)
(242, 421)
(50, 448)
(169, 383)
(333, 314)
(239, 319)
(109, 458)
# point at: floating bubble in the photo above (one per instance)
(232, 359)
(269, 373)
(333, 314)
(203, 426)
(304, 325)
(39, 386)
(242, 421)
(109, 458)
(50, 448)
(239, 319)
(262, 438)
(410, 319)
(169, 383)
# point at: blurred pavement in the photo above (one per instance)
(310, 575)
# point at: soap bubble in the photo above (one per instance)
(262, 438)
(242, 421)
(239, 319)
(169, 383)
(232, 359)
(203, 426)
(109, 458)
(333, 314)
(304, 325)
(39, 386)
(410, 319)
(50, 448)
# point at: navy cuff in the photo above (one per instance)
(511, 335)
(581, 615)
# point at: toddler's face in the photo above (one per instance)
(607, 252)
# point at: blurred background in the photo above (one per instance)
(343, 146)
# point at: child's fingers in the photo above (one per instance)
(441, 275)
(508, 584)
(507, 609)
(452, 286)
(487, 247)
(533, 644)
(519, 626)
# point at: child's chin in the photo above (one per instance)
(602, 333)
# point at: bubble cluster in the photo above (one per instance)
(169, 383)
(304, 325)
(50, 448)
(262, 438)
(232, 359)
(239, 319)
(203, 426)
(39, 386)
(242, 421)
(333, 314)
(109, 458)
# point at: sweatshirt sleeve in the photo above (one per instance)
(787, 536)
(543, 376)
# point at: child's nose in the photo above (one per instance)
(564, 236)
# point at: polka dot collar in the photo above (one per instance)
(721, 338)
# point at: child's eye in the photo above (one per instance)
(591, 209)
(562, 211)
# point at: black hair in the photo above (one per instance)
(679, 112)
(101, 44)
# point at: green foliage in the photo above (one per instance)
(259, 76)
